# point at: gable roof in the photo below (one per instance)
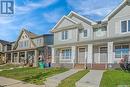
(116, 10)
(64, 17)
(30, 35)
(72, 13)
(3, 42)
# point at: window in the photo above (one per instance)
(21, 44)
(85, 33)
(124, 26)
(117, 51)
(121, 51)
(129, 25)
(66, 54)
(64, 35)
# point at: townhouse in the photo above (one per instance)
(29, 47)
(82, 43)
(4, 46)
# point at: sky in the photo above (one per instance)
(40, 16)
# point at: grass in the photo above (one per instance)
(114, 78)
(31, 75)
(70, 81)
(7, 66)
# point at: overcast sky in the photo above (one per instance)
(40, 16)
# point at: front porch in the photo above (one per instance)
(93, 56)
(84, 56)
(28, 57)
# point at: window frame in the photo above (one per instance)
(121, 50)
(84, 33)
(64, 35)
(66, 54)
(127, 27)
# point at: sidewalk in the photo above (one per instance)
(6, 82)
(92, 79)
(55, 80)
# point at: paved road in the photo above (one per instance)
(92, 79)
(6, 82)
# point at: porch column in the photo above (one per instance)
(26, 56)
(35, 64)
(90, 54)
(73, 54)
(17, 57)
(11, 57)
(110, 52)
(5, 58)
(53, 55)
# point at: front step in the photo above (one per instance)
(99, 66)
(79, 66)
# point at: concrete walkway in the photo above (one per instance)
(92, 79)
(6, 82)
(55, 80)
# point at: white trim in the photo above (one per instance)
(64, 17)
(72, 12)
(62, 56)
(83, 34)
(85, 56)
(106, 18)
(127, 32)
(121, 48)
(100, 54)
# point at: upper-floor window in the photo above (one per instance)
(125, 26)
(85, 33)
(64, 35)
(23, 44)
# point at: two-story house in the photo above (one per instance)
(4, 46)
(29, 47)
(82, 43)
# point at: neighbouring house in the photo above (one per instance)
(4, 46)
(29, 47)
(82, 43)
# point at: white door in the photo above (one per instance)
(81, 57)
(103, 55)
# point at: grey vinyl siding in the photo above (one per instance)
(72, 33)
(114, 24)
(85, 26)
(100, 34)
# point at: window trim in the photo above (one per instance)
(64, 35)
(83, 33)
(121, 51)
(126, 27)
(70, 55)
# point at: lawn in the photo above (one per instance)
(7, 66)
(32, 75)
(70, 81)
(114, 78)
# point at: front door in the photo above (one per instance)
(81, 57)
(103, 55)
